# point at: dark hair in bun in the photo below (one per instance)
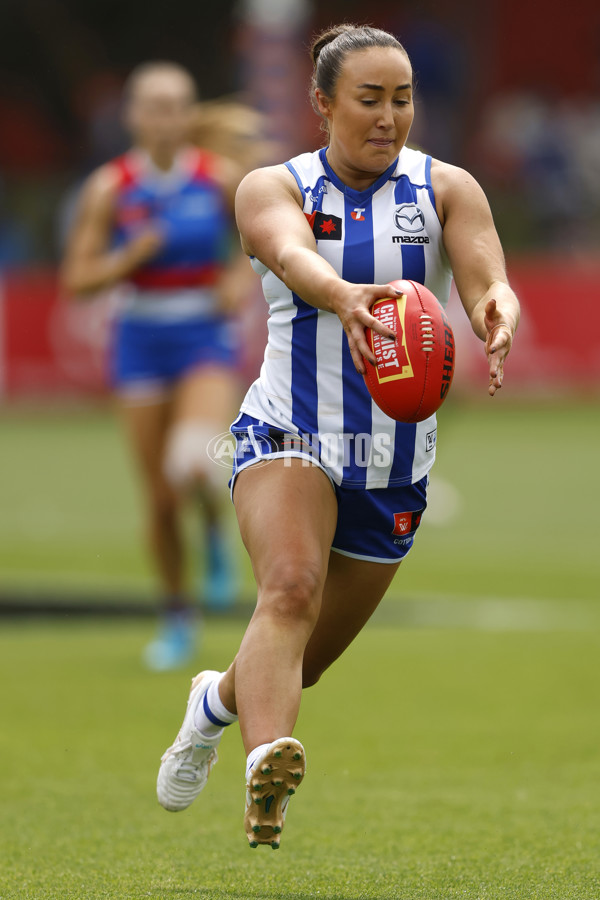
(330, 48)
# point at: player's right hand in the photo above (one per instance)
(353, 307)
(145, 245)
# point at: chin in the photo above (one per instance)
(166, 146)
(379, 160)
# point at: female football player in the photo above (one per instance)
(229, 127)
(325, 231)
(158, 222)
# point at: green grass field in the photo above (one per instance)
(526, 524)
(442, 764)
(452, 752)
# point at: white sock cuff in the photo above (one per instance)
(253, 756)
(216, 705)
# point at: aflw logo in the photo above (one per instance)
(410, 219)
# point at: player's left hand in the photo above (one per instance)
(497, 345)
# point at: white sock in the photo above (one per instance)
(212, 716)
(253, 756)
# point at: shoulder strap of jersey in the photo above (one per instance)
(124, 169)
(308, 171)
(203, 163)
(415, 164)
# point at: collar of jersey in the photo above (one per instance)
(358, 196)
(159, 180)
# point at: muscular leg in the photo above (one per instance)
(353, 590)
(146, 428)
(287, 513)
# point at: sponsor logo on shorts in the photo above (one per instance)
(430, 440)
(407, 522)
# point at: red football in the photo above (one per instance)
(413, 374)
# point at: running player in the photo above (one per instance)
(230, 128)
(326, 524)
(159, 221)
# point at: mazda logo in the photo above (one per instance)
(410, 218)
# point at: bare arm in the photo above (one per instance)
(477, 262)
(275, 230)
(89, 264)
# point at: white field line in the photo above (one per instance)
(73, 581)
(490, 613)
(452, 611)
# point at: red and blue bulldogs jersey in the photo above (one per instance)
(187, 204)
(169, 321)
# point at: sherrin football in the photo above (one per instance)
(413, 374)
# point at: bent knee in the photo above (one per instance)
(293, 593)
(192, 456)
(310, 676)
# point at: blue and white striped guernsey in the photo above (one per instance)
(308, 383)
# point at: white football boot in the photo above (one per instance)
(186, 765)
(274, 777)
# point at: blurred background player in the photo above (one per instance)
(229, 127)
(157, 221)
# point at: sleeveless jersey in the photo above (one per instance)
(308, 383)
(188, 206)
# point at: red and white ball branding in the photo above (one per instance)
(413, 374)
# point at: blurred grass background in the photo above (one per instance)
(513, 513)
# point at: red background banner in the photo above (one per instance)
(52, 347)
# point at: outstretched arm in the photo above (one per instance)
(477, 261)
(275, 230)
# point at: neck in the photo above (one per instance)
(163, 158)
